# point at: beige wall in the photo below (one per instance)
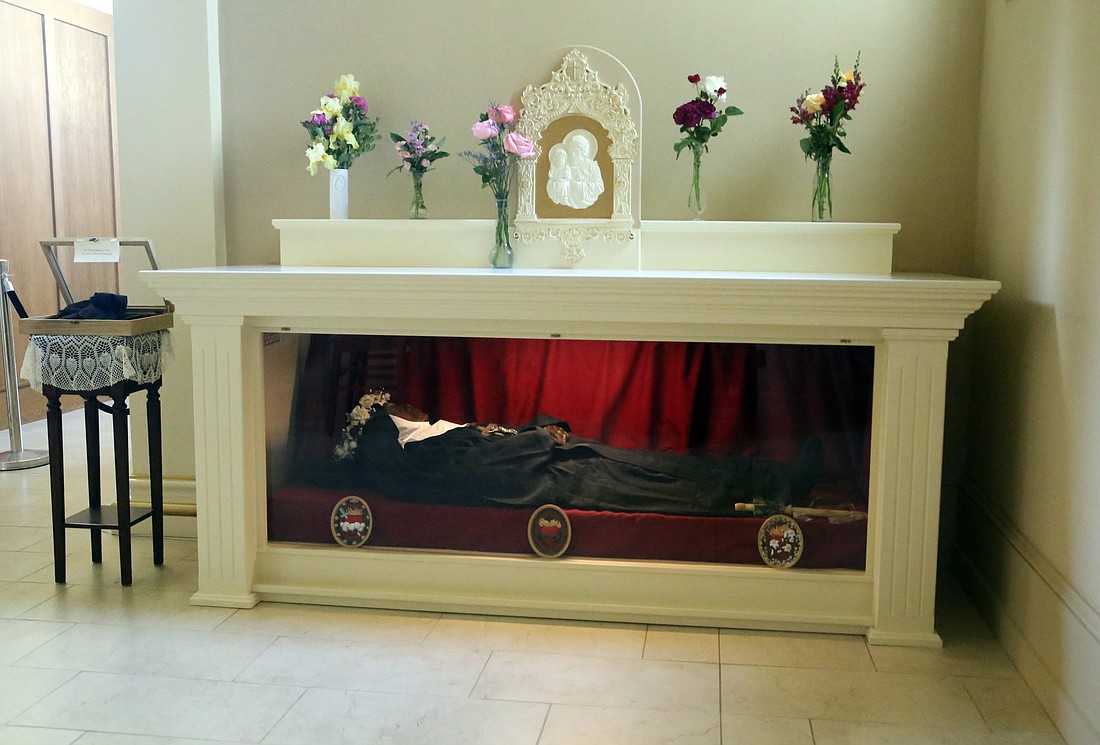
(203, 80)
(168, 104)
(914, 137)
(1031, 512)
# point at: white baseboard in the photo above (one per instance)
(1049, 630)
(179, 498)
(176, 491)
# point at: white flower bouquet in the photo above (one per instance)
(369, 404)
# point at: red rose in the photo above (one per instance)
(694, 78)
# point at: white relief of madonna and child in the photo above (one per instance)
(575, 179)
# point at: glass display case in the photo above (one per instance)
(667, 450)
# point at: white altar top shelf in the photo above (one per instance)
(861, 248)
(577, 303)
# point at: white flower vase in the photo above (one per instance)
(338, 194)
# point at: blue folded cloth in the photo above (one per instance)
(101, 305)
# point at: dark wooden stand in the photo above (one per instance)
(98, 518)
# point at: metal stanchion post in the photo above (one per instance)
(17, 457)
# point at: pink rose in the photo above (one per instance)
(502, 114)
(485, 129)
(520, 145)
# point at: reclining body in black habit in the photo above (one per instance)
(401, 454)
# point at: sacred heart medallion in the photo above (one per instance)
(351, 522)
(549, 531)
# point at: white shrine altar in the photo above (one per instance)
(749, 293)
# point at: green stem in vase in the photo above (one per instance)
(501, 255)
(822, 205)
(418, 210)
(695, 196)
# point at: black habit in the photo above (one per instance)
(527, 468)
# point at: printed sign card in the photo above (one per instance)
(96, 250)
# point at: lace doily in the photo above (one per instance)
(87, 363)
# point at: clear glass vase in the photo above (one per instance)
(501, 255)
(822, 206)
(418, 210)
(697, 201)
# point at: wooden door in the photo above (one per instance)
(57, 151)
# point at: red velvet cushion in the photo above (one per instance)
(301, 514)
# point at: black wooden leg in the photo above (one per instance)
(57, 479)
(156, 474)
(95, 501)
(119, 412)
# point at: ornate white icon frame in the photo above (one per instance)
(575, 88)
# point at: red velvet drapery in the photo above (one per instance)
(724, 399)
(670, 396)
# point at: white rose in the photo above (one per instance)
(712, 83)
(814, 103)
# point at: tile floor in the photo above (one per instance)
(93, 663)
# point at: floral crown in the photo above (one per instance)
(370, 403)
